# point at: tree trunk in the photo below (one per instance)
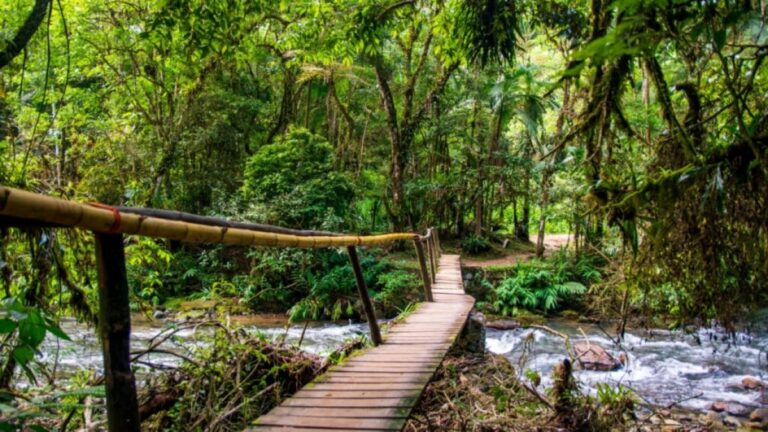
(522, 229)
(545, 184)
(286, 105)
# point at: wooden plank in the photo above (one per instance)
(360, 379)
(396, 359)
(258, 428)
(355, 394)
(372, 368)
(366, 412)
(346, 423)
(383, 386)
(347, 403)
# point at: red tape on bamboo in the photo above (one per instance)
(115, 212)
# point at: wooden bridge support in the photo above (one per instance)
(362, 290)
(432, 258)
(425, 276)
(115, 333)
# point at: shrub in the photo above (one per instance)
(331, 287)
(545, 285)
(474, 245)
(293, 183)
(398, 288)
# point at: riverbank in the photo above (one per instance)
(707, 377)
(486, 393)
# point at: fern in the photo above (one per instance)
(543, 285)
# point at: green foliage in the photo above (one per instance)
(545, 285)
(148, 263)
(398, 290)
(331, 288)
(474, 245)
(216, 380)
(487, 30)
(22, 329)
(617, 403)
(295, 184)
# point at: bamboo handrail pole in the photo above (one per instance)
(215, 221)
(25, 205)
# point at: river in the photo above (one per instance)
(665, 367)
(692, 370)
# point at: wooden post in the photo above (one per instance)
(436, 253)
(115, 333)
(364, 298)
(437, 242)
(424, 272)
(432, 265)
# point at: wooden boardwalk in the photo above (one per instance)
(376, 391)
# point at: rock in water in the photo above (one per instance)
(719, 406)
(752, 383)
(759, 415)
(732, 421)
(592, 356)
(472, 338)
(502, 324)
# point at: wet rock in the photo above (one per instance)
(160, 314)
(719, 406)
(752, 383)
(712, 420)
(732, 421)
(732, 408)
(472, 338)
(503, 324)
(592, 356)
(756, 425)
(759, 415)
(738, 410)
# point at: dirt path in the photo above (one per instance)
(552, 242)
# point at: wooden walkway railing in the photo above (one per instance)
(377, 390)
(20, 208)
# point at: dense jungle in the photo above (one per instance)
(599, 165)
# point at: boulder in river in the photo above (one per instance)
(592, 356)
(731, 408)
(759, 415)
(502, 324)
(719, 406)
(752, 383)
(732, 421)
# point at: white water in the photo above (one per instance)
(664, 367)
(84, 351)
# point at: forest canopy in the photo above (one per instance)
(639, 126)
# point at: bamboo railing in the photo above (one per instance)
(19, 208)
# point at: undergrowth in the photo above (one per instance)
(545, 286)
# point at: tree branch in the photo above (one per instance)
(25, 33)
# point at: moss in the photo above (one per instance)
(526, 318)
